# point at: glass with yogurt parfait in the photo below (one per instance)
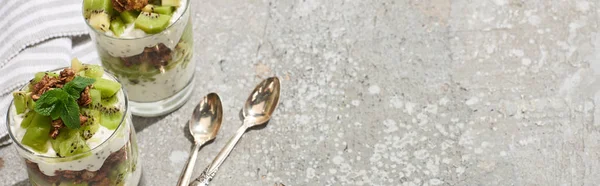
(147, 45)
(73, 126)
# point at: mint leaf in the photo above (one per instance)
(46, 104)
(75, 86)
(70, 113)
(56, 112)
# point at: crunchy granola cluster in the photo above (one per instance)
(124, 5)
(157, 56)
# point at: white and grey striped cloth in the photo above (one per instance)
(38, 35)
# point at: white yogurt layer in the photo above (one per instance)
(133, 41)
(165, 85)
(98, 142)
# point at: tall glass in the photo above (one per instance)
(114, 161)
(157, 70)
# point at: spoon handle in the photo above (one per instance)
(186, 174)
(211, 169)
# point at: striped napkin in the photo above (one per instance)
(38, 35)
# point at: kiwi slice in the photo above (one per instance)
(90, 127)
(20, 101)
(30, 102)
(174, 3)
(117, 26)
(118, 172)
(100, 20)
(91, 6)
(27, 119)
(152, 23)
(148, 8)
(111, 118)
(129, 16)
(93, 71)
(106, 87)
(68, 143)
(36, 135)
(96, 96)
(166, 10)
(76, 65)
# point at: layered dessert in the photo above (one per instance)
(147, 44)
(72, 127)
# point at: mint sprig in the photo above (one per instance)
(62, 102)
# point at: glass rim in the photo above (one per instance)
(22, 147)
(187, 5)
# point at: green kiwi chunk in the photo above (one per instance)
(76, 65)
(174, 3)
(152, 23)
(129, 16)
(100, 21)
(30, 102)
(27, 119)
(90, 127)
(118, 172)
(111, 119)
(93, 71)
(37, 133)
(117, 26)
(69, 142)
(20, 101)
(165, 10)
(91, 6)
(106, 87)
(96, 96)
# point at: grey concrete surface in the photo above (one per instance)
(407, 92)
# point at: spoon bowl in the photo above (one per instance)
(262, 102)
(206, 118)
(204, 126)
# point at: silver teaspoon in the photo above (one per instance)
(258, 109)
(204, 126)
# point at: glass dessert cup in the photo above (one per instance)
(156, 70)
(114, 161)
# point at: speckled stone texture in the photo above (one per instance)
(439, 92)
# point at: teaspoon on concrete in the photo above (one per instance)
(204, 126)
(258, 109)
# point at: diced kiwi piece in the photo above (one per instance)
(69, 142)
(166, 10)
(152, 23)
(20, 101)
(30, 102)
(27, 119)
(90, 127)
(117, 26)
(37, 133)
(76, 65)
(118, 172)
(91, 6)
(111, 120)
(148, 8)
(100, 21)
(110, 101)
(96, 96)
(174, 3)
(106, 87)
(129, 16)
(93, 71)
